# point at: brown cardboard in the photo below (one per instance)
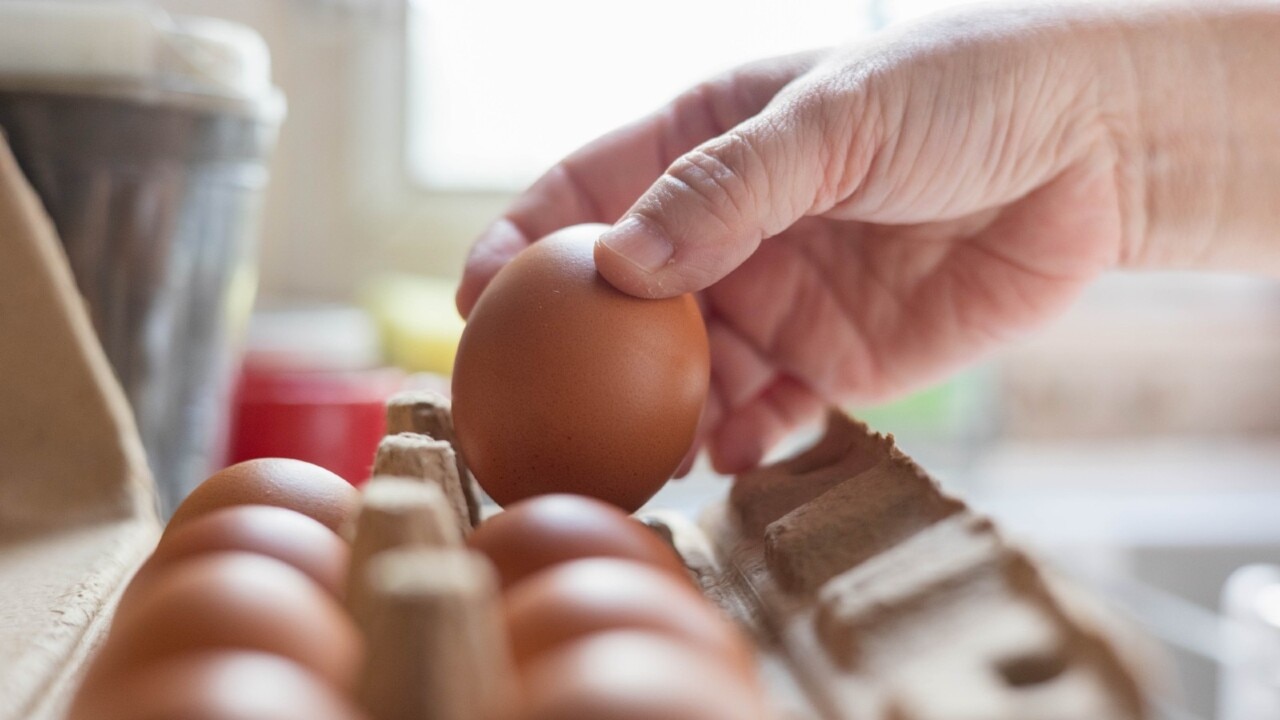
(70, 450)
(396, 513)
(76, 498)
(436, 645)
(431, 414)
(419, 456)
(765, 494)
(857, 518)
(885, 597)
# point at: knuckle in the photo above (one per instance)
(856, 141)
(723, 174)
(696, 107)
(707, 109)
(840, 115)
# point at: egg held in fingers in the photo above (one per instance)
(563, 383)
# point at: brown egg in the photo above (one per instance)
(636, 676)
(233, 600)
(293, 484)
(562, 383)
(572, 600)
(217, 685)
(540, 532)
(276, 532)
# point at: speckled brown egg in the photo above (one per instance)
(275, 532)
(293, 484)
(562, 383)
(232, 600)
(637, 676)
(573, 600)
(540, 532)
(217, 685)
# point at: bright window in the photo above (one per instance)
(501, 89)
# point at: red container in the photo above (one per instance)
(333, 418)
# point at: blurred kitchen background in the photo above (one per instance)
(1136, 443)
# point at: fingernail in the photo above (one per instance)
(639, 242)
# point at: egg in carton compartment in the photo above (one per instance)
(868, 591)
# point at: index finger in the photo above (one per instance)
(599, 182)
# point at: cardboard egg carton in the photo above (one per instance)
(874, 594)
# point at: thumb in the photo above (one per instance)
(710, 210)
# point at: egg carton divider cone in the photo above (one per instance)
(427, 606)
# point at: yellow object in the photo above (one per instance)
(419, 324)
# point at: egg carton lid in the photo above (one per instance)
(129, 48)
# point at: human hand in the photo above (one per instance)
(926, 196)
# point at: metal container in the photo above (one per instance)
(146, 137)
